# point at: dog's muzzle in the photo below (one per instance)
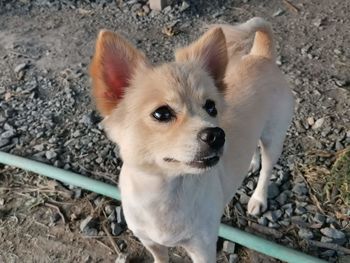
(212, 141)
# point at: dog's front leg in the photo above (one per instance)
(201, 252)
(159, 252)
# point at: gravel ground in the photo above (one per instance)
(46, 114)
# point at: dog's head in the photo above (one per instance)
(164, 117)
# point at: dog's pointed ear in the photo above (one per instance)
(112, 67)
(211, 50)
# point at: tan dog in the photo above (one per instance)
(187, 131)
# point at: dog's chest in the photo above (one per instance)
(171, 211)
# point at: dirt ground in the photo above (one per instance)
(54, 40)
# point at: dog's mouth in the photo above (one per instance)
(200, 163)
(205, 162)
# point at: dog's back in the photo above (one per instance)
(260, 105)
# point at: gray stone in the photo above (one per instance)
(98, 200)
(2, 90)
(340, 241)
(146, 9)
(263, 221)
(20, 67)
(85, 223)
(273, 190)
(311, 121)
(50, 155)
(39, 147)
(330, 220)
(282, 198)
(122, 258)
(242, 222)
(328, 253)
(273, 225)
(251, 185)
(319, 218)
(318, 123)
(120, 215)
(287, 206)
(90, 231)
(229, 247)
(116, 229)
(300, 189)
(299, 210)
(273, 216)
(332, 233)
(109, 209)
(244, 199)
(306, 49)
(318, 22)
(166, 9)
(233, 258)
(305, 233)
(112, 217)
(159, 5)
(4, 142)
(326, 239)
(77, 193)
(284, 222)
(184, 6)
(8, 134)
(279, 12)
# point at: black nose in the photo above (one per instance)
(214, 137)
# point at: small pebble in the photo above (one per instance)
(85, 223)
(244, 199)
(328, 253)
(305, 233)
(90, 231)
(50, 155)
(120, 215)
(116, 229)
(318, 123)
(233, 258)
(77, 193)
(263, 221)
(20, 67)
(273, 190)
(282, 198)
(278, 13)
(184, 6)
(332, 233)
(273, 216)
(229, 247)
(109, 209)
(273, 225)
(319, 218)
(326, 239)
(300, 189)
(299, 210)
(54, 218)
(122, 258)
(311, 121)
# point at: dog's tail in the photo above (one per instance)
(238, 38)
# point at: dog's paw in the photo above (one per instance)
(257, 205)
(254, 164)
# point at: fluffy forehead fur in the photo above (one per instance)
(184, 87)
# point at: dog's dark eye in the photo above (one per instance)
(163, 114)
(209, 106)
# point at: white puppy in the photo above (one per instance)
(187, 131)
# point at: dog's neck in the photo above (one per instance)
(139, 181)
